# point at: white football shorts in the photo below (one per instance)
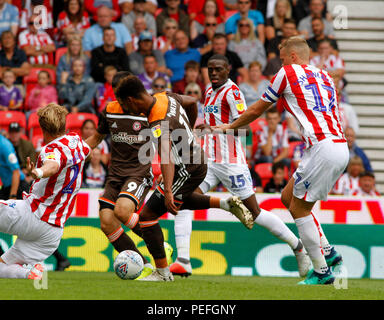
(36, 239)
(236, 178)
(320, 167)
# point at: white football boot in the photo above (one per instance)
(303, 261)
(159, 275)
(238, 209)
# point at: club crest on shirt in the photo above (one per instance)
(136, 126)
(236, 93)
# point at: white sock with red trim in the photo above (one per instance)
(310, 237)
(323, 239)
(14, 271)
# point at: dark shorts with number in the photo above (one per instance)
(185, 182)
(134, 188)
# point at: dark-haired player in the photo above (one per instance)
(127, 183)
(223, 104)
(171, 118)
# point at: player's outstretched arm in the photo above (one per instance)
(48, 169)
(251, 114)
(94, 140)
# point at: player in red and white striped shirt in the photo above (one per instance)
(36, 43)
(309, 94)
(224, 103)
(38, 220)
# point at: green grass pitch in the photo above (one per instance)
(106, 286)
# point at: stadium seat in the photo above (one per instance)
(264, 170)
(75, 120)
(33, 128)
(32, 76)
(7, 117)
(59, 53)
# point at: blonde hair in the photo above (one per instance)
(192, 86)
(288, 15)
(52, 119)
(298, 45)
(68, 55)
(251, 35)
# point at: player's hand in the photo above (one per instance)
(31, 168)
(222, 128)
(159, 179)
(169, 203)
(202, 129)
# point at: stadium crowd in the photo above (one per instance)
(68, 52)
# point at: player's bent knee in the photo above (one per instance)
(108, 222)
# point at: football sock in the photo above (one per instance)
(14, 271)
(277, 227)
(121, 241)
(132, 221)
(310, 237)
(323, 239)
(154, 239)
(183, 229)
(224, 204)
(197, 201)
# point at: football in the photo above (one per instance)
(128, 265)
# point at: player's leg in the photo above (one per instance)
(331, 255)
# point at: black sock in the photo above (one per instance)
(124, 242)
(154, 239)
(196, 201)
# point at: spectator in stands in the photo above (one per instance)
(95, 172)
(42, 94)
(127, 5)
(23, 148)
(172, 10)
(256, 84)
(277, 183)
(326, 60)
(92, 6)
(104, 92)
(93, 36)
(354, 150)
(9, 17)
(316, 8)
(139, 11)
(88, 128)
(273, 25)
(203, 41)
(12, 57)
(193, 89)
(10, 96)
(367, 185)
(246, 45)
(77, 90)
(219, 46)
(108, 55)
(159, 84)
(164, 42)
(72, 20)
(37, 44)
(136, 58)
(191, 75)
(199, 11)
(244, 11)
(274, 145)
(319, 35)
(176, 59)
(44, 18)
(288, 30)
(139, 26)
(75, 51)
(349, 181)
(150, 73)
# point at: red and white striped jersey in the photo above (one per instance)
(361, 192)
(309, 94)
(279, 140)
(38, 40)
(222, 106)
(346, 185)
(331, 63)
(52, 199)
